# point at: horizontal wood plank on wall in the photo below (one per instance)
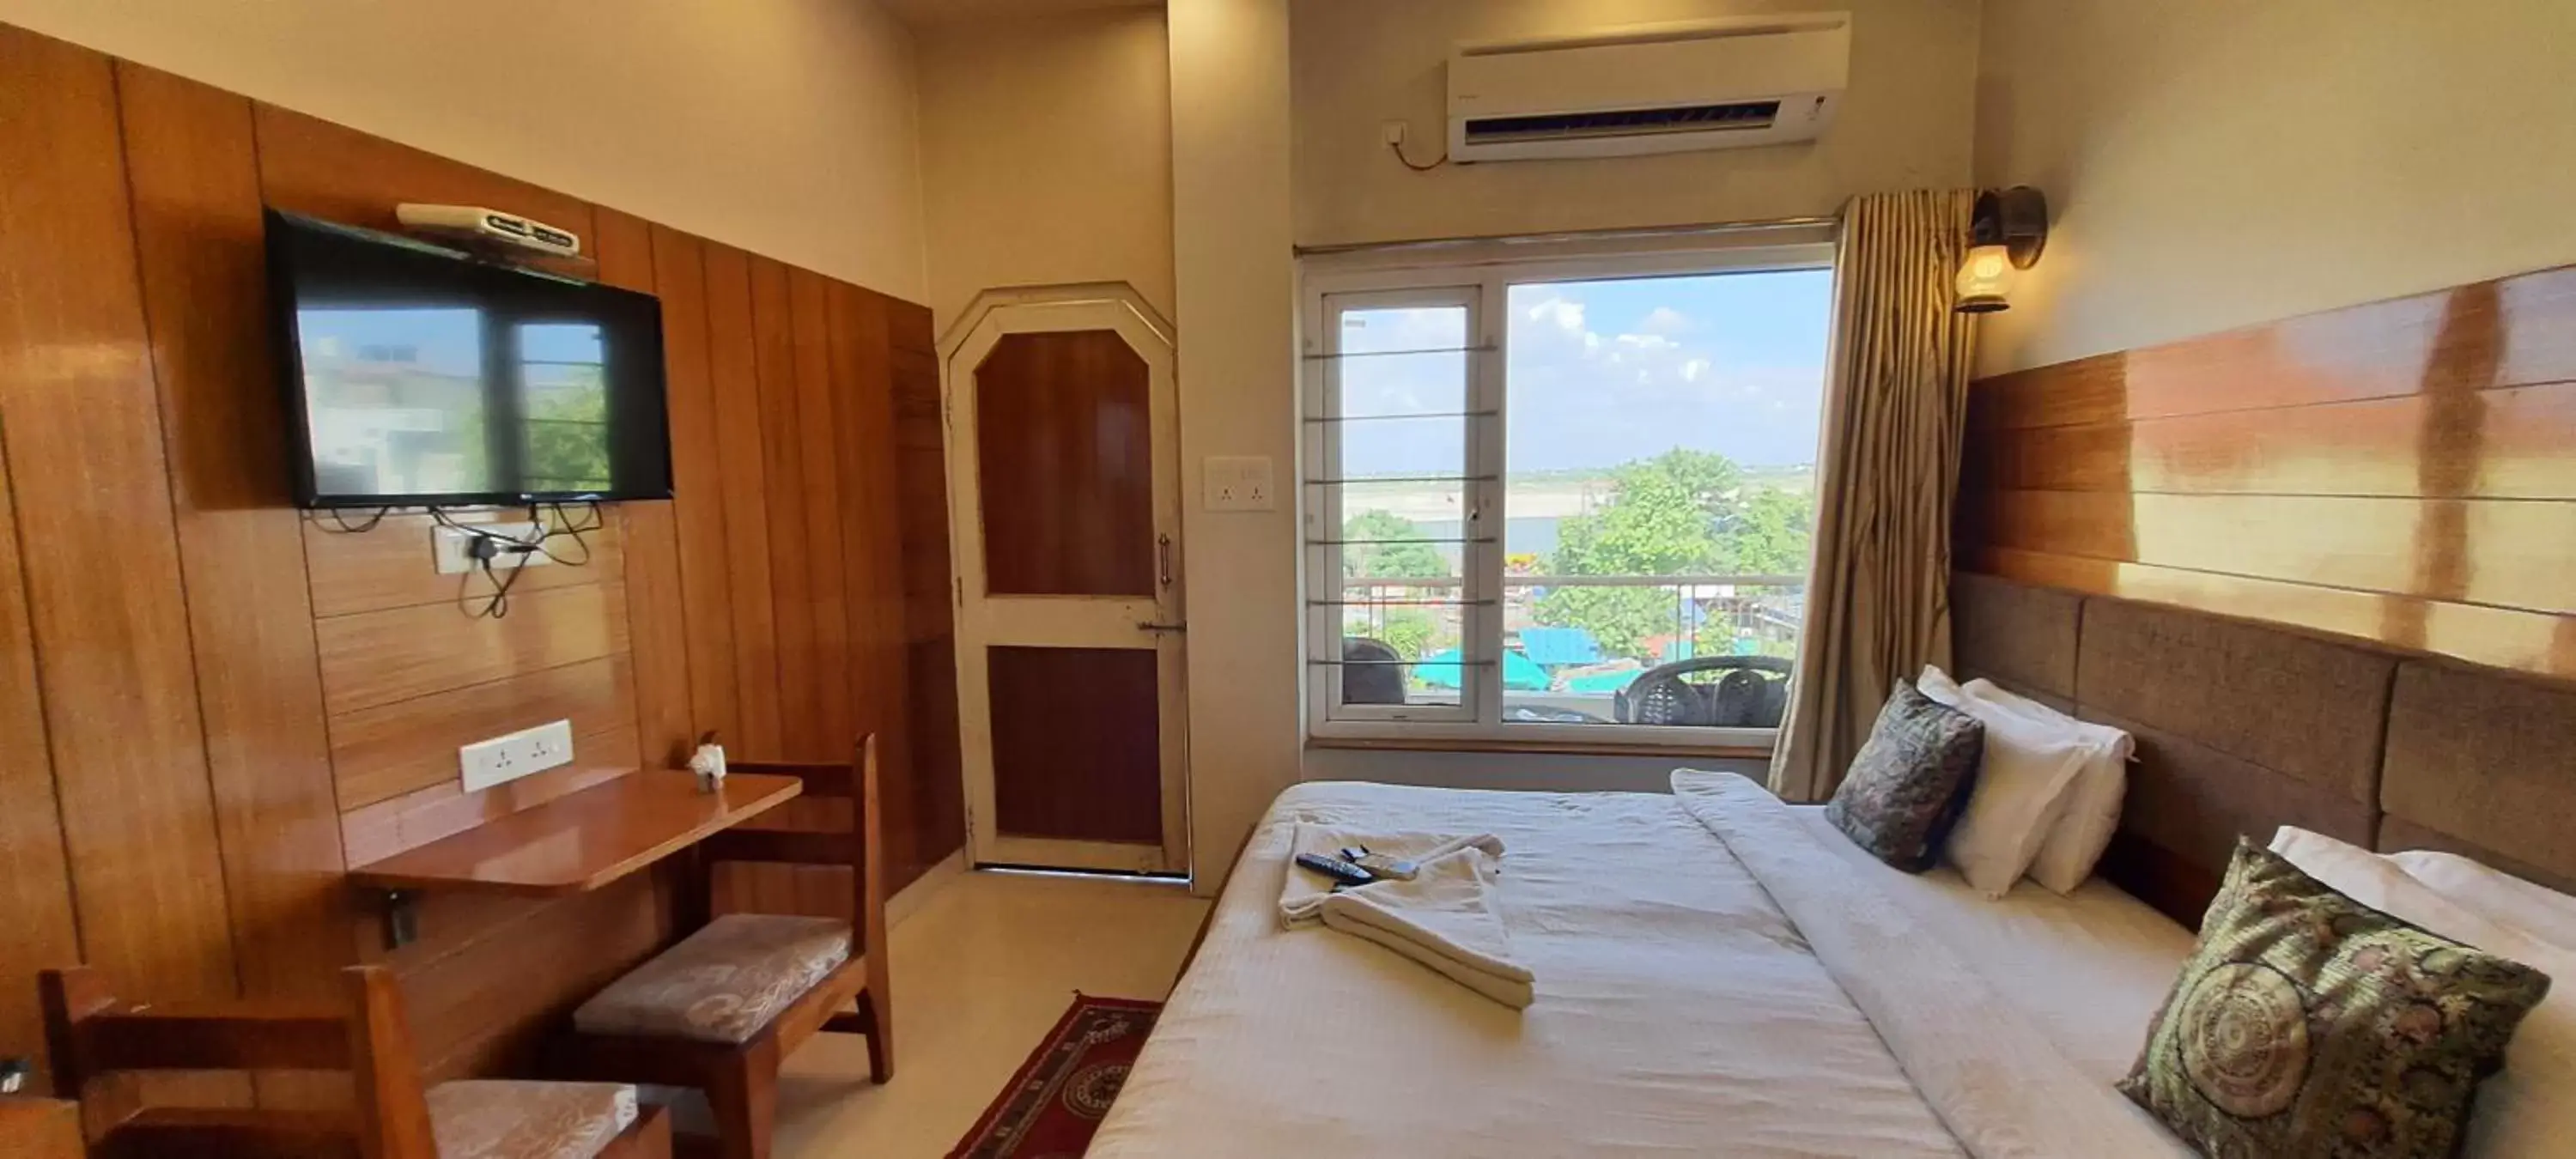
(2503, 553)
(378, 831)
(376, 658)
(409, 745)
(392, 565)
(2500, 637)
(2506, 443)
(2516, 331)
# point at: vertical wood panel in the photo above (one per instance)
(734, 362)
(197, 222)
(680, 276)
(35, 878)
(2396, 471)
(782, 453)
(81, 426)
(929, 608)
(871, 548)
(819, 399)
(656, 608)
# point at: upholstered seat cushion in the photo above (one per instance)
(505, 1119)
(723, 983)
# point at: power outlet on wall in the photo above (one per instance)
(454, 547)
(1238, 483)
(504, 759)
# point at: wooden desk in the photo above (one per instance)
(580, 841)
(34, 1128)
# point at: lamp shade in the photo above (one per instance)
(1985, 280)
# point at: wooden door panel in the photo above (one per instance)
(1077, 748)
(1065, 466)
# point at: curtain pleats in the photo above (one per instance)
(1878, 604)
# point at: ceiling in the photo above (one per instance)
(921, 13)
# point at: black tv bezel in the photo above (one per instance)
(286, 339)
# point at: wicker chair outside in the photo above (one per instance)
(1754, 693)
(1378, 678)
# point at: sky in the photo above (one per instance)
(1601, 373)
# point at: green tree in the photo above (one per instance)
(1768, 534)
(1364, 559)
(1679, 513)
(1409, 631)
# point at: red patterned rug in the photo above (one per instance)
(1056, 1101)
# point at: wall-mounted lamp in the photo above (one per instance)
(2006, 233)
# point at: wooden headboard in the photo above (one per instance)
(2243, 727)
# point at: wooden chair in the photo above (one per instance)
(100, 1045)
(720, 1010)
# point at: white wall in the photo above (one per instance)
(1046, 152)
(1905, 123)
(1235, 281)
(2214, 163)
(782, 126)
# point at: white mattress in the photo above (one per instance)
(1679, 1010)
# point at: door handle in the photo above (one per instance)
(1151, 626)
(1163, 558)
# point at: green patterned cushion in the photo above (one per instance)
(1908, 783)
(2306, 1023)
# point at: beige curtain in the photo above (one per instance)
(1878, 597)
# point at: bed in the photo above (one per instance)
(1722, 973)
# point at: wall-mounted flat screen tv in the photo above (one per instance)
(421, 376)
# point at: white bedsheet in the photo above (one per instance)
(1678, 1012)
(2088, 967)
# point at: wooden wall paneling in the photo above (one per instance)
(2401, 471)
(81, 422)
(388, 566)
(680, 277)
(929, 597)
(409, 745)
(734, 365)
(195, 180)
(820, 397)
(376, 658)
(484, 1006)
(656, 608)
(311, 166)
(782, 454)
(35, 876)
(872, 553)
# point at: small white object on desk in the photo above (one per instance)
(709, 764)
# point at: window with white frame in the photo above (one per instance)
(1561, 500)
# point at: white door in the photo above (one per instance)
(1064, 508)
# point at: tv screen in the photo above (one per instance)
(417, 375)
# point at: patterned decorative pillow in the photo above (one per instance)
(1909, 782)
(2309, 1024)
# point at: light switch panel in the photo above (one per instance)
(1239, 483)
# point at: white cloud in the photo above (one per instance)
(1566, 313)
(1666, 320)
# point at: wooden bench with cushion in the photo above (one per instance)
(99, 1044)
(724, 1007)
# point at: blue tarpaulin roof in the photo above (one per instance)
(1442, 668)
(1556, 647)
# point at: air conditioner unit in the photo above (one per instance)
(1650, 89)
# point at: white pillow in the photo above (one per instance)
(2537, 910)
(2530, 1107)
(2023, 775)
(2092, 811)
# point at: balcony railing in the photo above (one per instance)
(1568, 660)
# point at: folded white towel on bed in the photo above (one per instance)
(1301, 902)
(1443, 918)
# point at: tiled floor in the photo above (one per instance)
(981, 971)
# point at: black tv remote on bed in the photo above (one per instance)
(1342, 872)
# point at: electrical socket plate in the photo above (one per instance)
(449, 544)
(504, 759)
(1239, 483)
